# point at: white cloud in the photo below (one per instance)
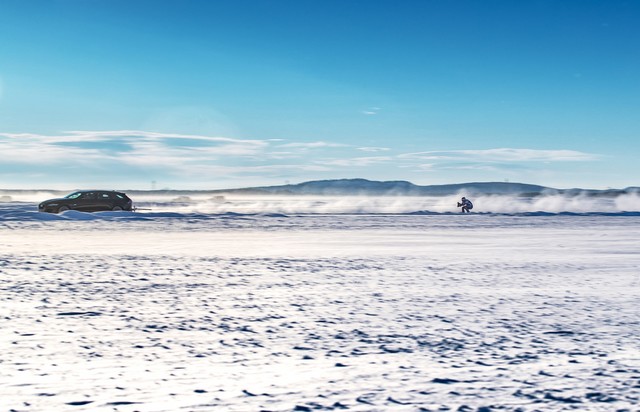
(373, 149)
(27, 149)
(505, 155)
(231, 171)
(314, 145)
(126, 146)
(129, 155)
(371, 111)
(424, 167)
(355, 161)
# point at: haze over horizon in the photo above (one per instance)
(218, 95)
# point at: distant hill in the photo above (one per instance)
(341, 187)
(345, 187)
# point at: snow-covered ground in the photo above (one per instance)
(197, 311)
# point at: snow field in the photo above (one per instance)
(362, 313)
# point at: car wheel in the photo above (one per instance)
(63, 209)
(116, 208)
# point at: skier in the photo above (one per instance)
(465, 204)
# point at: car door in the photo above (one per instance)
(87, 202)
(105, 201)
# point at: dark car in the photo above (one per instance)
(88, 201)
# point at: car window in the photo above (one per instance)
(105, 196)
(89, 195)
(74, 195)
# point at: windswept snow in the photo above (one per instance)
(208, 203)
(166, 311)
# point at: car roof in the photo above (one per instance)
(89, 191)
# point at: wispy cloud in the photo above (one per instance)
(125, 146)
(313, 145)
(187, 160)
(374, 149)
(371, 111)
(79, 155)
(355, 161)
(504, 155)
(96, 154)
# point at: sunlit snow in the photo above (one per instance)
(303, 304)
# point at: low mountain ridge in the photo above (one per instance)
(358, 186)
(400, 187)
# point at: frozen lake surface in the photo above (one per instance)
(366, 312)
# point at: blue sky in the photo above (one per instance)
(218, 94)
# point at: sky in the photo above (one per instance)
(121, 94)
